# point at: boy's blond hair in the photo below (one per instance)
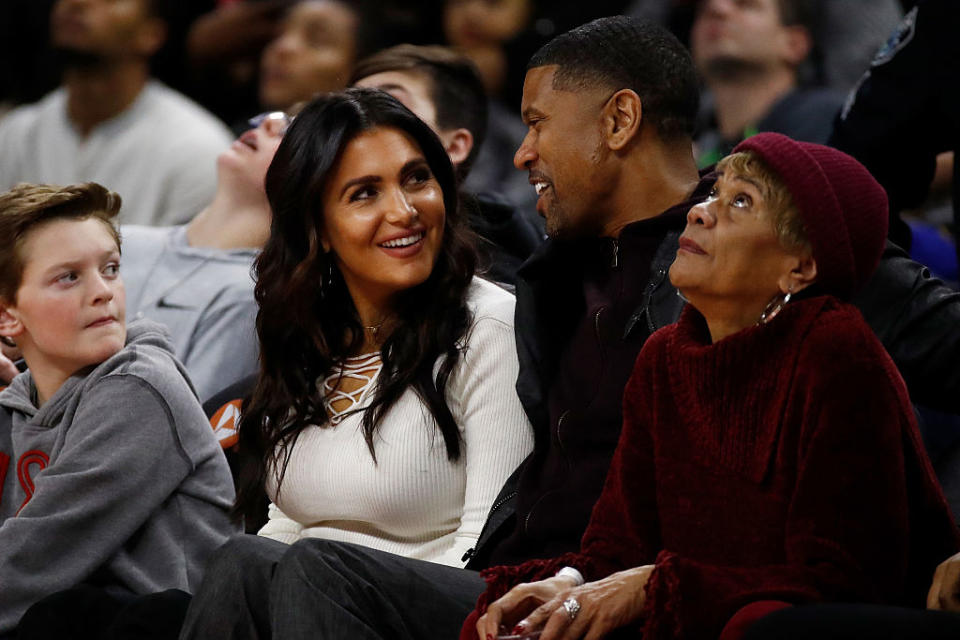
(27, 206)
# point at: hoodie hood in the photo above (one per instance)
(22, 390)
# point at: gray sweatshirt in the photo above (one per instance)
(117, 480)
(203, 296)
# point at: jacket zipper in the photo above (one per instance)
(472, 551)
(526, 520)
(560, 422)
(654, 285)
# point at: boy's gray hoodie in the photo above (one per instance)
(117, 481)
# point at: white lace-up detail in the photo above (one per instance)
(365, 369)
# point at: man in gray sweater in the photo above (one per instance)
(110, 473)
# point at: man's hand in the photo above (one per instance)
(944, 593)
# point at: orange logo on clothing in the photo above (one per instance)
(224, 423)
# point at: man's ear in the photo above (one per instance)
(150, 37)
(802, 275)
(10, 324)
(622, 114)
(798, 43)
(458, 143)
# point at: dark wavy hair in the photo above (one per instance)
(307, 323)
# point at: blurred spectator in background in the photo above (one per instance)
(481, 31)
(480, 28)
(749, 54)
(195, 278)
(225, 45)
(444, 90)
(110, 123)
(903, 123)
(849, 34)
(314, 52)
(222, 49)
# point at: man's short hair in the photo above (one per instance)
(456, 90)
(621, 52)
(28, 206)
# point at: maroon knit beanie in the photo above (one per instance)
(844, 210)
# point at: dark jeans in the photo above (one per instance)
(258, 588)
(855, 622)
(90, 613)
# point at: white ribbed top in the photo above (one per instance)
(415, 502)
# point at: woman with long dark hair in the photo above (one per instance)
(385, 412)
(383, 358)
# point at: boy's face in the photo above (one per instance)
(69, 310)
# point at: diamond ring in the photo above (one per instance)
(572, 606)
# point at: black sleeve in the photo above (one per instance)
(917, 318)
(906, 108)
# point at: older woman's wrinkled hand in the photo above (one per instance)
(601, 607)
(519, 602)
(944, 593)
(604, 605)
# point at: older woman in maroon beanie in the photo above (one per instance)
(769, 454)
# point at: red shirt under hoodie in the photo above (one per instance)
(782, 463)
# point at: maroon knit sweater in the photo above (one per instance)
(781, 463)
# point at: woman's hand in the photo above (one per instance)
(945, 591)
(519, 602)
(605, 605)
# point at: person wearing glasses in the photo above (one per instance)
(195, 278)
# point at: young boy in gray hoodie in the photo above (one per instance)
(110, 475)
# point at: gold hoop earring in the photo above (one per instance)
(774, 307)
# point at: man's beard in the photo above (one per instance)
(562, 225)
(731, 69)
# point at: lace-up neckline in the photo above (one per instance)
(364, 369)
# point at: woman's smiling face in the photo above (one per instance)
(383, 216)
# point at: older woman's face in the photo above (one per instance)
(729, 252)
(383, 215)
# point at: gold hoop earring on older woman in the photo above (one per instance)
(775, 306)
